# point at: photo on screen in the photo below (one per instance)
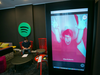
(69, 38)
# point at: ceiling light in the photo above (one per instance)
(0, 2)
(25, 0)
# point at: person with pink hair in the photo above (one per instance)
(67, 36)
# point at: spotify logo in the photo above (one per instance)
(24, 29)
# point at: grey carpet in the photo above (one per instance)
(26, 69)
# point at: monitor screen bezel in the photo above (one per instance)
(70, 5)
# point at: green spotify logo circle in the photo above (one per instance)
(24, 29)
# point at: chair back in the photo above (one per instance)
(42, 43)
(31, 44)
(21, 44)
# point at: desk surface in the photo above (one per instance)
(21, 60)
(40, 50)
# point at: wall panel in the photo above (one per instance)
(24, 14)
(8, 26)
(39, 23)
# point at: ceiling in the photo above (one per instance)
(6, 4)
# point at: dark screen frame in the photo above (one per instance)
(70, 5)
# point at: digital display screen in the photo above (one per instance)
(69, 38)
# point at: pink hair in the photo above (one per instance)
(67, 32)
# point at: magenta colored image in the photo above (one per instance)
(69, 37)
